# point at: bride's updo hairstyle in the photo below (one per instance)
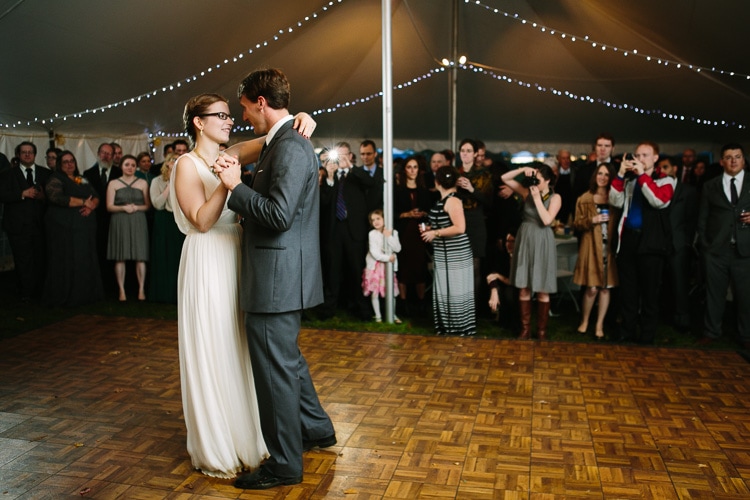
(197, 106)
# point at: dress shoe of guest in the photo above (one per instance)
(262, 479)
(325, 442)
(704, 341)
(623, 336)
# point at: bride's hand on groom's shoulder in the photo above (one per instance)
(304, 124)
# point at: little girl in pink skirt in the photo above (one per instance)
(383, 246)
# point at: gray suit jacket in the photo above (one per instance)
(281, 248)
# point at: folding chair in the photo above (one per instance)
(567, 254)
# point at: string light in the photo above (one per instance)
(485, 71)
(472, 66)
(594, 44)
(655, 113)
(48, 122)
(584, 99)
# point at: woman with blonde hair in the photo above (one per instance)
(166, 241)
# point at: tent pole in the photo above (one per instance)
(388, 149)
(454, 76)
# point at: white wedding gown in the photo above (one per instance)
(218, 392)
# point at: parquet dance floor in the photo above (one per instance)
(91, 408)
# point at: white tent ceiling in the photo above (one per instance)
(65, 58)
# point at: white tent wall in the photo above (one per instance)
(496, 147)
(85, 146)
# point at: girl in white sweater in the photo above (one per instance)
(383, 246)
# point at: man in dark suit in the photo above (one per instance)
(22, 192)
(683, 215)
(685, 170)
(281, 276)
(4, 163)
(564, 186)
(369, 154)
(724, 242)
(343, 201)
(99, 176)
(102, 172)
(604, 148)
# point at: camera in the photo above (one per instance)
(530, 180)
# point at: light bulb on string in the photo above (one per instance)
(178, 84)
(594, 44)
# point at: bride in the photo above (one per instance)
(218, 394)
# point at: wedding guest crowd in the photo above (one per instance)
(635, 215)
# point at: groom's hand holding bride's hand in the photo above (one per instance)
(228, 169)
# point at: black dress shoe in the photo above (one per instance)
(325, 442)
(704, 341)
(262, 479)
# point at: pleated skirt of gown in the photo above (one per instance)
(218, 392)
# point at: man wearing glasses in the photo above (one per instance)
(22, 192)
(724, 242)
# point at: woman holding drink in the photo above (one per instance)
(596, 270)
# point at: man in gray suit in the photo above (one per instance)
(281, 276)
(724, 242)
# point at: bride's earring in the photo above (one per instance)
(201, 132)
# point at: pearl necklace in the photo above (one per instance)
(210, 167)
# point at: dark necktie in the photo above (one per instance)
(733, 191)
(262, 151)
(29, 176)
(104, 176)
(340, 204)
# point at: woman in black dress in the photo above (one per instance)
(474, 188)
(73, 278)
(412, 201)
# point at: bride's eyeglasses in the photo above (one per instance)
(220, 115)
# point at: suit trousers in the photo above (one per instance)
(721, 269)
(679, 272)
(290, 411)
(30, 260)
(640, 279)
(346, 261)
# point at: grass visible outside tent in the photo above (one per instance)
(19, 317)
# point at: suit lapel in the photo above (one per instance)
(744, 193)
(262, 151)
(266, 150)
(718, 188)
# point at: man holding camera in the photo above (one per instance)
(343, 202)
(645, 240)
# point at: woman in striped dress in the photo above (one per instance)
(453, 280)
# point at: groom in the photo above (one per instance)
(281, 276)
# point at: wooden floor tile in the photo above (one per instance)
(91, 407)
